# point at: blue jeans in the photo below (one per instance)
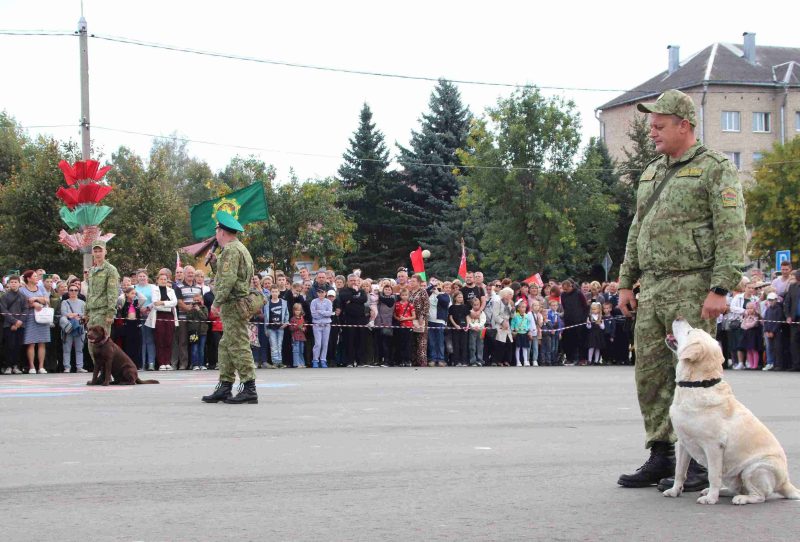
(298, 353)
(435, 341)
(475, 347)
(534, 355)
(322, 334)
(554, 341)
(148, 346)
(197, 351)
(275, 345)
(69, 341)
(771, 344)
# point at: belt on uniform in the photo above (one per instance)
(673, 274)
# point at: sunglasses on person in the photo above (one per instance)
(73, 290)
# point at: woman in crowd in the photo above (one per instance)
(419, 299)
(164, 319)
(74, 309)
(145, 292)
(383, 325)
(37, 335)
(502, 313)
(576, 311)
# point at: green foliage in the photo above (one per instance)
(431, 170)
(12, 144)
(641, 153)
(773, 208)
(369, 190)
(519, 160)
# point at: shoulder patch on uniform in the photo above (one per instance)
(648, 175)
(730, 198)
(690, 172)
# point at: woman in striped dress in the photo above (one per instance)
(36, 335)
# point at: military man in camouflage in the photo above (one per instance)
(102, 292)
(234, 275)
(686, 246)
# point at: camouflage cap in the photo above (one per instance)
(99, 243)
(672, 102)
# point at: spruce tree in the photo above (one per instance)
(369, 192)
(431, 173)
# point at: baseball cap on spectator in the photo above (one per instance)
(772, 295)
(672, 102)
(331, 293)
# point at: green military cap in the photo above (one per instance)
(47, 276)
(672, 102)
(228, 223)
(99, 243)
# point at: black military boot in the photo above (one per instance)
(660, 464)
(221, 393)
(696, 479)
(247, 394)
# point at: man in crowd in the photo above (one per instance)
(675, 281)
(320, 283)
(353, 300)
(179, 274)
(234, 275)
(791, 308)
(402, 280)
(472, 291)
(103, 289)
(186, 294)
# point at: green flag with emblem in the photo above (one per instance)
(246, 205)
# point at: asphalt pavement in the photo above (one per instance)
(372, 454)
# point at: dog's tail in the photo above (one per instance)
(140, 381)
(789, 491)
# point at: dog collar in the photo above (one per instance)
(699, 383)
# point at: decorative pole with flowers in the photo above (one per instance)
(82, 211)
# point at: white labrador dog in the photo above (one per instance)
(740, 453)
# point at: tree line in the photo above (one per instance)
(513, 182)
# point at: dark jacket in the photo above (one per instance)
(576, 309)
(353, 302)
(791, 301)
(14, 306)
(775, 314)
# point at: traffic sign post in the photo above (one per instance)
(782, 256)
(607, 263)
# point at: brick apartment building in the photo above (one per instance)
(747, 98)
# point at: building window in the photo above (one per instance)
(730, 121)
(757, 156)
(762, 122)
(797, 121)
(736, 158)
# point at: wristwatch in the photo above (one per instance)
(719, 291)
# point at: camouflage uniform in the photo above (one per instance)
(101, 297)
(692, 239)
(232, 286)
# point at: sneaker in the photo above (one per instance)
(526, 364)
(15, 371)
(315, 365)
(170, 368)
(7, 371)
(431, 364)
(767, 367)
(519, 364)
(196, 368)
(31, 371)
(738, 367)
(42, 371)
(203, 368)
(323, 364)
(81, 370)
(535, 363)
(162, 367)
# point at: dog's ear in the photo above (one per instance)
(701, 348)
(692, 352)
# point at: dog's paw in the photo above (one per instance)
(672, 492)
(707, 499)
(704, 492)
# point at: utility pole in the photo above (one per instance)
(83, 40)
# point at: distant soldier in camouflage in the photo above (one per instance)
(102, 293)
(686, 246)
(236, 304)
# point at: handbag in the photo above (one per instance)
(44, 315)
(418, 326)
(252, 332)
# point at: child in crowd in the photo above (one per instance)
(596, 326)
(609, 330)
(556, 325)
(276, 317)
(519, 330)
(773, 315)
(297, 327)
(751, 328)
(535, 326)
(404, 314)
(321, 312)
(13, 306)
(457, 319)
(129, 325)
(197, 329)
(476, 321)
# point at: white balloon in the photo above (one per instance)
(426, 254)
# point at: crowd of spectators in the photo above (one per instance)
(330, 320)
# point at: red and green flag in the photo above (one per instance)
(246, 205)
(418, 263)
(462, 267)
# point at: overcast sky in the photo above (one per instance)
(304, 117)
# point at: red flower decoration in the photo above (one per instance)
(87, 170)
(84, 193)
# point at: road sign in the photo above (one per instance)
(607, 263)
(782, 256)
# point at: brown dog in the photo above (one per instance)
(111, 361)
